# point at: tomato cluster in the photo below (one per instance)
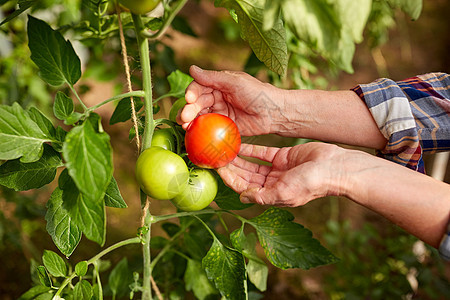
(211, 141)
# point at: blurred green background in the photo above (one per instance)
(378, 260)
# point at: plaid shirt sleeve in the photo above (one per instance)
(413, 115)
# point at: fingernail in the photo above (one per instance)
(245, 200)
(197, 69)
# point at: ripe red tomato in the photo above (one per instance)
(200, 191)
(212, 141)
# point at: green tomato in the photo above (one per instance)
(140, 7)
(200, 191)
(161, 173)
(164, 138)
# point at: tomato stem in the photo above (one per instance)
(117, 97)
(144, 53)
(166, 24)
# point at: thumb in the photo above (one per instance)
(219, 80)
(261, 196)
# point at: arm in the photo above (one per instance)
(297, 175)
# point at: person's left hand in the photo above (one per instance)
(296, 176)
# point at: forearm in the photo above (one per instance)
(331, 116)
(415, 202)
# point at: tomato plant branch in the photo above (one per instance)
(135, 240)
(118, 97)
(74, 91)
(166, 24)
(156, 219)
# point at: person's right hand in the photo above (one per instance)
(246, 100)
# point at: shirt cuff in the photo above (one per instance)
(391, 111)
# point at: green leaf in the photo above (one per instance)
(268, 45)
(34, 292)
(86, 213)
(228, 199)
(354, 15)
(63, 106)
(82, 291)
(44, 124)
(81, 268)
(23, 6)
(178, 82)
(43, 276)
(195, 280)
(54, 264)
(88, 157)
(57, 61)
(226, 268)
(113, 198)
(411, 7)
(21, 177)
(64, 232)
(122, 113)
(20, 136)
(288, 244)
(120, 278)
(257, 270)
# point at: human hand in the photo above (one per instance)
(246, 100)
(297, 175)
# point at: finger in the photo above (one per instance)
(220, 80)
(260, 152)
(195, 90)
(251, 166)
(191, 111)
(249, 176)
(233, 180)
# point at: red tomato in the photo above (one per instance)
(212, 141)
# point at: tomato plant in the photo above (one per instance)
(140, 7)
(161, 173)
(200, 191)
(164, 138)
(212, 140)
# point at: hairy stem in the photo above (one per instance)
(118, 97)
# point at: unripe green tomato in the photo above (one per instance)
(140, 7)
(164, 138)
(200, 191)
(161, 173)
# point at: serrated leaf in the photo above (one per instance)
(226, 268)
(20, 136)
(82, 291)
(63, 106)
(34, 292)
(288, 244)
(120, 278)
(64, 232)
(57, 61)
(81, 268)
(86, 213)
(195, 280)
(21, 177)
(178, 82)
(44, 124)
(88, 157)
(257, 270)
(268, 45)
(122, 113)
(113, 198)
(54, 264)
(228, 199)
